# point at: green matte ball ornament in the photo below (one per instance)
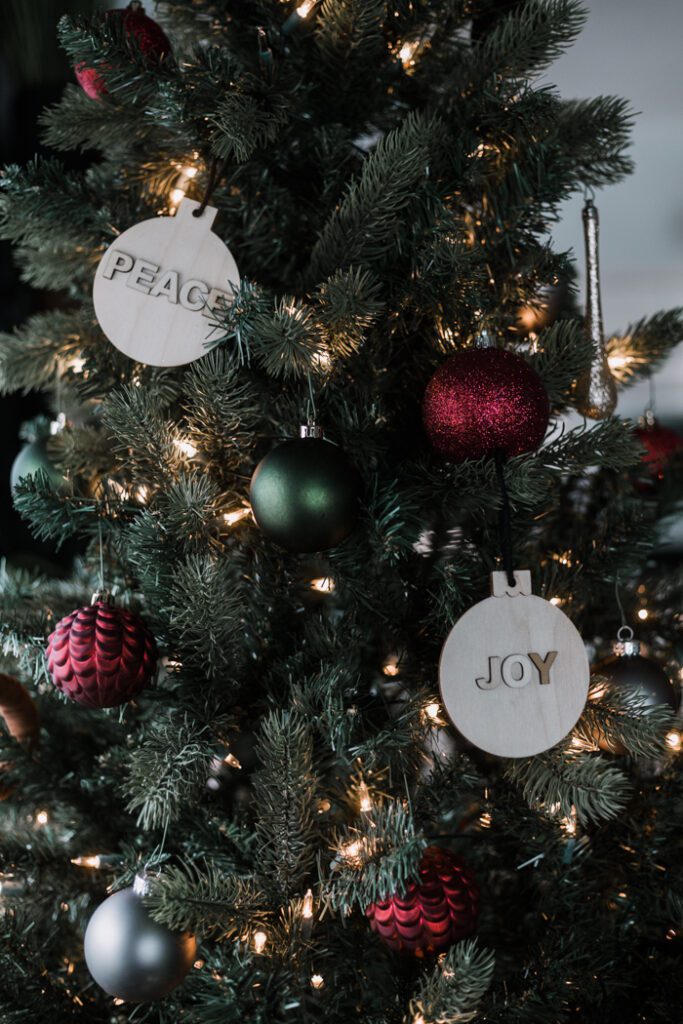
(304, 493)
(31, 458)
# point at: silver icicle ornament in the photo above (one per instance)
(596, 391)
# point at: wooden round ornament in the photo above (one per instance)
(160, 285)
(514, 671)
(20, 717)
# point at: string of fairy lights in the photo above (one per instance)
(622, 359)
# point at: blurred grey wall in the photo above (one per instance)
(634, 49)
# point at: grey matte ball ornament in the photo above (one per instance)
(129, 955)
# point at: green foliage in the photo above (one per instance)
(384, 207)
(569, 782)
(203, 899)
(167, 773)
(377, 856)
(284, 794)
(453, 990)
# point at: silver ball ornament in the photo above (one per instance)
(129, 955)
(31, 458)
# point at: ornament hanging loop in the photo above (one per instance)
(624, 634)
(504, 523)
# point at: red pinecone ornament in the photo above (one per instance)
(101, 656)
(150, 38)
(433, 913)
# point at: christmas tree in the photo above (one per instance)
(244, 769)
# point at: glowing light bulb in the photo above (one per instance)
(304, 9)
(485, 820)
(87, 862)
(323, 584)
(260, 940)
(391, 667)
(177, 196)
(643, 613)
(307, 908)
(432, 711)
(186, 447)
(317, 981)
(198, 964)
(190, 172)
(352, 850)
(232, 761)
(42, 818)
(365, 798)
(237, 515)
(674, 740)
(556, 600)
(618, 361)
(407, 52)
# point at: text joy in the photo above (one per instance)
(517, 670)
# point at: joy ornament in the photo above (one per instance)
(514, 671)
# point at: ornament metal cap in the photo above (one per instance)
(142, 885)
(101, 597)
(626, 646)
(311, 430)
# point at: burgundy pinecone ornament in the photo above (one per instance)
(100, 655)
(149, 36)
(433, 913)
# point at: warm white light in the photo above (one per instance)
(485, 820)
(365, 798)
(351, 851)
(407, 52)
(198, 964)
(42, 818)
(390, 667)
(232, 761)
(569, 826)
(323, 584)
(323, 360)
(260, 939)
(236, 515)
(317, 981)
(177, 195)
(674, 740)
(77, 364)
(87, 862)
(119, 1002)
(304, 9)
(142, 494)
(432, 711)
(643, 613)
(186, 447)
(190, 172)
(556, 600)
(419, 1019)
(618, 361)
(307, 909)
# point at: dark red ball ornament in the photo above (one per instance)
(149, 37)
(660, 444)
(101, 656)
(433, 913)
(482, 401)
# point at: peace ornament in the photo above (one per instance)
(159, 286)
(514, 671)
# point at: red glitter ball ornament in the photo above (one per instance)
(433, 913)
(101, 656)
(485, 400)
(149, 37)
